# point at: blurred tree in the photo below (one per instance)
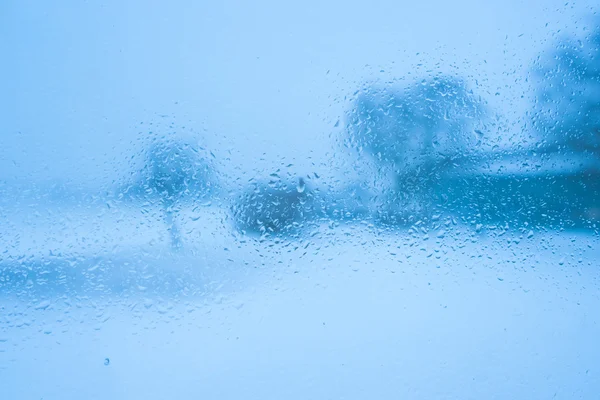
(566, 115)
(567, 109)
(418, 127)
(416, 134)
(174, 171)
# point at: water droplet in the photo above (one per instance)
(301, 185)
(42, 305)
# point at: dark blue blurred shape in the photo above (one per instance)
(416, 129)
(275, 208)
(174, 171)
(422, 140)
(416, 135)
(567, 111)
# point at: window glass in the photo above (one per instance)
(311, 200)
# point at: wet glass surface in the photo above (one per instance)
(262, 200)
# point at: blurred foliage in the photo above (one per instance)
(423, 137)
(275, 208)
(415, 135)
(416, 128)
(174, 170)
(567, 110)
